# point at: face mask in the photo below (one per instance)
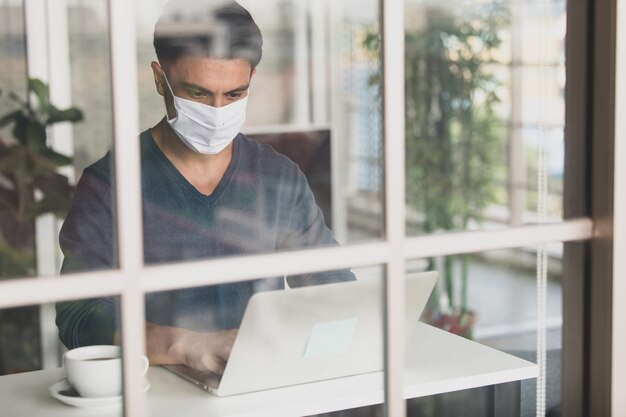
(207, 129)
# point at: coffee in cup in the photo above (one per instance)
(96, 371)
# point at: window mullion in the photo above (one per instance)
(484, 240)
(29, 291)
(392, 30)
(128, 198)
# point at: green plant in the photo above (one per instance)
(30, 184)
(453, 132)
(452, 125)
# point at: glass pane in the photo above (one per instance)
(91, 80)
(12, 50)
(21, 340)
(55, 127)
(89, 237)
(484, 113)
(482, 301)
(16, 232)
(296, 161)
(45, 372)
(314, 346)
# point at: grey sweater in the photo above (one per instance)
(262, 204)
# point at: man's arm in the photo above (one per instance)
(167, 345)
(86, 241)
(86, 322)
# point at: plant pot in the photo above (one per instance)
(459, 323)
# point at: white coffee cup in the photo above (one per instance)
(96, 371)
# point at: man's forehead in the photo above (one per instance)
(190, 65)
(209, 73)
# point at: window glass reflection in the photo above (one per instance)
(28, 161)
(315, 94)
(56, 120)
(41, 376)
(490, 300)
(209, 190)
(21, 340)
(88, 38)
(293, 336)
(484, 102)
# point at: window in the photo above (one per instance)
(341, 76)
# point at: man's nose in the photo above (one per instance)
(217, 101)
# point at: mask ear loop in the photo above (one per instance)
(169, 87)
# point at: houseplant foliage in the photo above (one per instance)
(29, 182)
(453, 132)
(30, 185)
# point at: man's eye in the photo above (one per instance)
(234, 95)
(198, 94)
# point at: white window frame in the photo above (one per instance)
(47, 29)
(133, 280)
(618, 374)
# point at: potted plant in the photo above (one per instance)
(453, 135)
(30, 185)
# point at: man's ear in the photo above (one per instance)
(252, 72)
(159, 82)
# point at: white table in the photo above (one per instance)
(441, 362)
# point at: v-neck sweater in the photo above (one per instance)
(262, 204)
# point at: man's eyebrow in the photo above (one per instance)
(239, 89)
(197, 87)
(194, 86)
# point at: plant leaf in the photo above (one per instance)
(12, 159)
(41, 91)
(55, 158)
(11, 117)
(20, 128)
(42, 165)
(21, 178)
(57, 194)
(69, 115)
(35, 136)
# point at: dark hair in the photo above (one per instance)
(207, 28)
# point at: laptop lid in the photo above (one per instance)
(311, 334)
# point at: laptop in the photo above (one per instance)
(310, 334)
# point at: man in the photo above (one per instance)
(208, 191)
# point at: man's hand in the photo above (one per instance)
(168, 345)
(204, 351)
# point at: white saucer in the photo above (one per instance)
(57, 388)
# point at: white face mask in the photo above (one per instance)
(207, 129)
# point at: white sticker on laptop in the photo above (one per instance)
(330, 338)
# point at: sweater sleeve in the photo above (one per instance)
(307, 229)
(86, 240)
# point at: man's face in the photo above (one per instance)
(216, 82)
